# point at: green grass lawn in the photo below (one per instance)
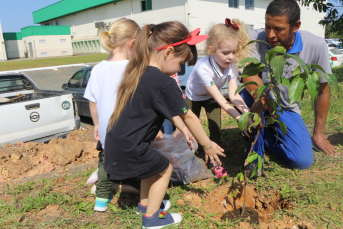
(316, 192)
(25, 64)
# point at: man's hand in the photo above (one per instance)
(321, 109)
(324, 145)
(96, 134)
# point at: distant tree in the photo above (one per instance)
(333, 21)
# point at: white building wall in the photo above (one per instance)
(3, 56)
(204, 14)
(15, 49)
(52, 46)
(193, 13)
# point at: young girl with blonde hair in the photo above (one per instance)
(224, 47)
(146, 96)
(101, 91)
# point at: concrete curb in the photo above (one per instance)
(44, 68)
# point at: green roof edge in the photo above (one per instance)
(59, 9)
(12, 36)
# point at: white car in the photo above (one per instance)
(31, 114)
(335, 41)
(335, 57)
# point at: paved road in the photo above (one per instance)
(53, 80)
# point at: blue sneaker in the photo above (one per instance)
(165, 205)
(161, 219)
(101, 203)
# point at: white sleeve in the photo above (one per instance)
(91, 89)
(205, 77)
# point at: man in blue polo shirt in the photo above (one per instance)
(282, 23)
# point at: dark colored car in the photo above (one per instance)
(77, 86)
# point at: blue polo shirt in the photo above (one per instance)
(310, 48)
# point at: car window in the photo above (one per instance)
(75, 80)
(183, 70)
(335, 51)
(13, 83)
(340, 46)
(85, 80)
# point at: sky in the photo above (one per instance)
(17, 14)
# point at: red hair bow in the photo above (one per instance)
(233, 25)
(194, 39)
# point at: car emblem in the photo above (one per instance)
(34, 117)
(65, 105)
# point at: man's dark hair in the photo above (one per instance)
(285, 7)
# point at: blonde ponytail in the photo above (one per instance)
(118, 33)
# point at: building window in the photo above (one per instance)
(146, 5)
(58, 22)
(64, 52)
(53, 23)
(233, 3)
(249, 28)
(63, 40)
(249, 4)
(43, 54)
(42, 41)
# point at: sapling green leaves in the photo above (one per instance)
(295, 89)
(335, 82)
(243, 120)
(252, 69)
(253, 60)
(300, 62)
(261, 89)
(246, 83)
(285, 82)
(253, 41)
(240, 177)
(278, 64)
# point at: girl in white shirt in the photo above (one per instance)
(101, 92)
(224, 47)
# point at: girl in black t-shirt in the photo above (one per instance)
(146, 96)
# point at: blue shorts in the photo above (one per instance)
(294, 149)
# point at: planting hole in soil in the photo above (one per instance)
(220, 200)
(250, 215)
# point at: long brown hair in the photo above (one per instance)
(147, 42)
(118, 33)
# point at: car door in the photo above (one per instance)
(74, 85)
(84, 103)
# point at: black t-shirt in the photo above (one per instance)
(127, 144)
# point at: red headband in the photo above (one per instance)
(194, 39)
(233, 25)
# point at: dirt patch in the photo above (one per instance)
(24, 160)
(221, 200)
(250, 215)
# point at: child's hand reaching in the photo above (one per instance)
(212, 152)
(96, 134)
(189, 138)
